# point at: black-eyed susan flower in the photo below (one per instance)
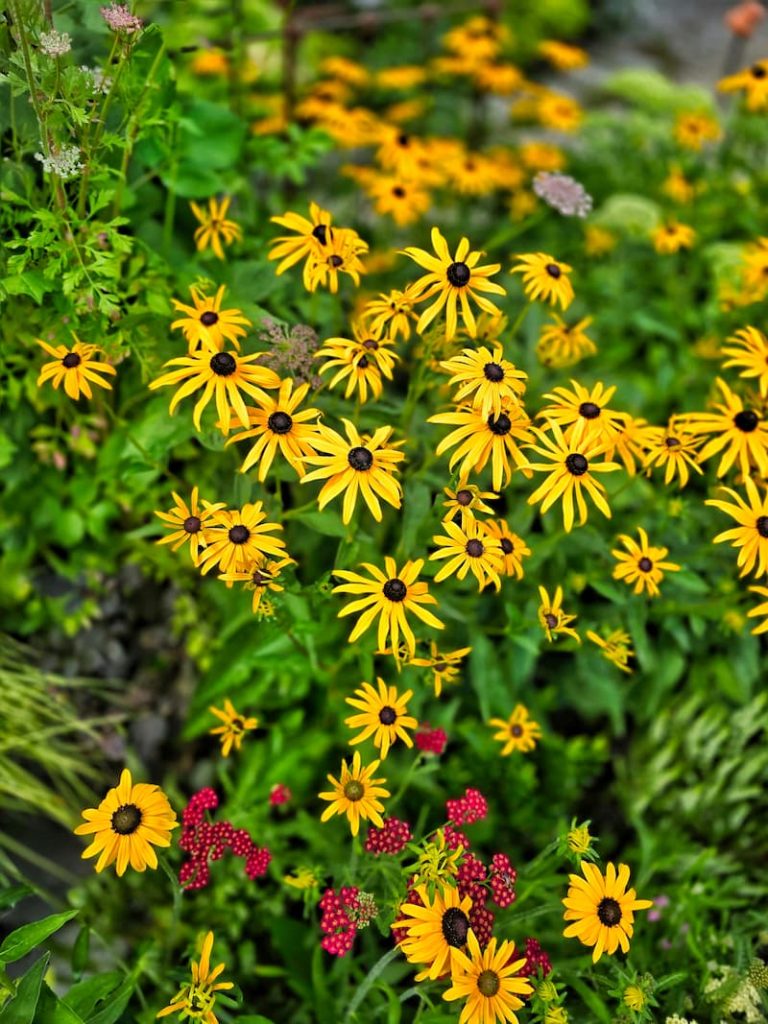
(356, 794)
(602, 909)
(513, 548)
(693, 129)
(188, 522)
(399, 197)
(560, 112)
(341, 255)
(277, 424)
(452, 281)
(629, 442)
(487, 381)
(750, 536)
(238, 538)
(129, 821)
(748, 349)
(753, 82)
(364, 342)
(583, 412)
(552, 619)
(469, 549)
(234, 726)
(76, 367)
(388, 596)
(390, 314)
(358, 464)
(562, 56)
(197, 999)
(478, 39)
(672, 236)
(489, 981)
(615, 647)
(759, 610)
(561, 344)
(642, 564)
(214, 226)
(674, 449)
(354, 365)
(444, 666)
(466, 501)
(518, 732)
(570, 468)
(310, 237)
(479, 439)
(433, 929)
(754, 270)
(383, 715)
(678, 187)
(205, 325)
(259, 577)
(737, 428)
(221, 376)
(545, 277)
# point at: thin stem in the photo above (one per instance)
(367, 983)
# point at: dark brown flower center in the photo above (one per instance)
(551, 620)
(71, 360)
(209, 318)
(394, 590)
(671, 442)
(458, 274)
(455, 927)
(499, 425)
(192, 524)
(335, 261)
(354, 790)
(493, 372)
(488, 983)
(403, 139)
(360, 459)
(746, 420)
(762, 526)
(223, 364)
(370, 343)
(363, 363)
(758, 71)
(464, 498)
(320, 232)
(260, 579)
(589, 410)
(279, 422)
(553, 270)
(576, 464)
(387, 715)
(474, 548)
(506, 545)
(126, 819)
(239, 534)
(399, 192)
(516, 730)
(609, 911)
(645, 564)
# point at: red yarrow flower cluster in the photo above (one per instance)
(468, 809)
(206, 841)
(535, 958)
(344, 914)
(392, 837)
(431, 741)
(484, 885)
(279, 794)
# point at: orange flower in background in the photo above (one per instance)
(744, 18)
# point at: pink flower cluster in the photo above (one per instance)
(483, 884)
(205, 841)
(431, 741)
(468, 809)
(279, 794)
(344, 914)
(120, 19)
(535, 958)
(390, 838)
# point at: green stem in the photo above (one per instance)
(178, 892)
(367, 983)
(416, 763)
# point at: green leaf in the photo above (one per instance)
(23, 940)
(11, 896)
(51, 1010)
(80, 951)
(21, 1009)
(117, 1003)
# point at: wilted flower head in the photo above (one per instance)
(54, 43)
(62, 160)
(120, 19)
(291, 351)
(563, 193)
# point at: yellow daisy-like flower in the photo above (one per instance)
(629, 442)
(259, 577)
(392, 312)
(752, 81)
(642, 564)
(472, 549)
(214, 227)
(634, 997)
(341, 255)
(552, 618)
(235, 726)
(672, 237)
(570, 468)
(400, 197)
(434, 929)
(445, 667)
(279, 425)
(760, 609)
(615, 647)
(310, 237)
(737, 429)
(584, 412)
(674, 449)
(693, 130)
(563, 56)
(579, 839)
(678, 187)
(129, 821)
(302, 878)
(188, 522)
(489, 981)
(513, 548)
(198, 999)
(559, 112)
(561, 345)
(238, 538)
(754, 272)
(486, 379)
(359, 463)
(482, 438)
(748, 349)
(76, 367)
(751, 534)
(545, 277)
(383, 715)
(221, 376)
(453, 280)
(206, 325)
(542, 156)
(518, 732)
(602, 909)
(361, 372)
(368, 346)
(356, 794)
(465, 502)
(388, 596)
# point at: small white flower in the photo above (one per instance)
(55, 44)
(99, 81)
(62, 160)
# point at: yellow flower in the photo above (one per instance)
(642, 564)
(76, 367)
(692, 130)
(400, 197)
(751, 533)
(545, 277)
(677, 186)
(277, 425)
(260, 576)
(341, 255)
(404, 76)
(189, 522)
(472, 549)
(215, 227)
(562, 56)
(513, 548)
(579, 839)
(445, 667)
(598, 241)
(310, 237)
(302, 878)
(674, 449)
(356, 794)
(561, 345)
(560, 112)
(198, 998)
(489, 981)
(465, 501)
(384, 716)
(749, 351)
(233, 730)
(361, 371)
(437, 862)
(481, 439)
(552, 618)
(487, 379)
(584, 412)
(755, 272)
(433, 929)
(672, 237)
(210, 62)
(752, 81)
(542, 156)
(393, 312)
(737, 429)
(453, 280)
(518, 732)
(238, 538)
(629, 442)
(760, 609)
(615, 648)
(388, 596)
(556, 1015)
(479, 38)
(206, 325)
(634, 997)
(602, 909)
(128, 822)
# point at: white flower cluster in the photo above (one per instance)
(563, 193)
(62, 160)
(99, 81)
(55, 44)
